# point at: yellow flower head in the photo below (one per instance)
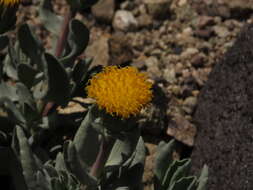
(9, 2)
(120, 91)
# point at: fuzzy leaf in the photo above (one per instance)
(27, 159)
(123, 149)
(12, 110)
(163, 158)
(30, 45)
(202, 181)
(9, 91)
(78, 40)
(183, 183)
(11, 61)
(80, 70)
(42, 182)
(58, 81)
(25, 97)
(76, 167)
(85, 136)
(59, 162)
(26, 74)
(177, 170)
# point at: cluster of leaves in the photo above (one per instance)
(173, 174)
(30, 77)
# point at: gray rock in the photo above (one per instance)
(104, 10)
(124, 21)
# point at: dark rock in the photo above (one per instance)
(224, 118)
(198, 60)
(204, 33)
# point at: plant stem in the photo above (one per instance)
(64, 33)
(59, 50)
(103, 154)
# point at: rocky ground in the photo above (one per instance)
(176, 41)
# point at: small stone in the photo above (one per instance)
(175, 90)
(120, 48)
(153, 70)
(189, 104)
(189, 52)
(169, 75)
(182, 130)
(144, 20)
(203, 33)
(198, 60)
(99, 51)
(221, 31)
(124, 21)
(203, 21)
(181, 3)
(158, 8)
(104, 10)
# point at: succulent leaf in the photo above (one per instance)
(202, 181)
(163, 158)
(80, 70)
(9, 91)
(11, 62)
(76, 167)
(123, 149)
(85, 136)
(27, 159)
(12, 110)
(58, 81)
(30, 45)
(78, 40)
(59, 162)
(183, 183)
(177, 170)
(26, 74)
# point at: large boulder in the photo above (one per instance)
(224, 117)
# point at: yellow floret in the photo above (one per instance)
(9, 2)
(120, 91)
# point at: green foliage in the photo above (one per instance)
(38, 175)
(39, 77)
(173, 174)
